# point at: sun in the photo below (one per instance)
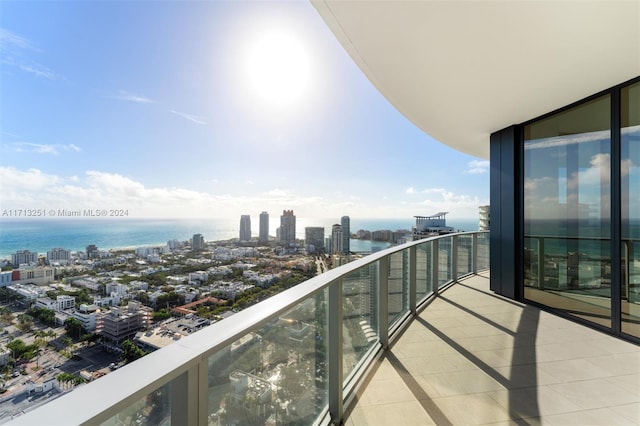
(278, 69)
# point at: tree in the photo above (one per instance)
(73, 326)
(131, 352)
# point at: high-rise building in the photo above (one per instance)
(485, 219)
(245, 227)
(197, 242)
(58, 255)
(346, 234)
(336, 239)
(314, 239)
(23, 256)
(92, 251)
(287, 228)
(263, 235)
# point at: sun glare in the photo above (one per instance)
(278, 69)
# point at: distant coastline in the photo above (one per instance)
(41, 235)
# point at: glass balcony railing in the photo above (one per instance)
(292, 359)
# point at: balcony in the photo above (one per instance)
(410, 335)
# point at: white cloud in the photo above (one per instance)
(193, 118)
(40, 71)
(477, 167)
(14, 49)
(443, 200)
(36, 148)
(123, 95)
(98, 189)
(9, 39)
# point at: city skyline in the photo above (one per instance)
(208, 109)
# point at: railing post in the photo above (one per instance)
(454, 258)
(334, 335)
(540, 263)
(626, 256)
(383, 301)
(435, 262)
(413, 284)
(474, 253)
(185, 398)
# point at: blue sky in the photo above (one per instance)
(208, 109)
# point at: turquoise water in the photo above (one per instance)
(75, 234)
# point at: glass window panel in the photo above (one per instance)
(567, 189)
(360, 319)
(398, 285)
(424, 271)
(276, 375)
(483, 251)
(630, 208)
(153, 409)
(445, 260)
(465, 255)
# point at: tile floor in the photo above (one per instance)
(474, 358)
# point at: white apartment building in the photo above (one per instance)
(62, 302)
(59, 256)
(38, 275)
(23, 257)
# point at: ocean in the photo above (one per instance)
(41, 235)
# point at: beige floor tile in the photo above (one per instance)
(385, 392)
(597, 393)
(437, 364)
(473, 409)
(628, 382)
(422, 349)
(572, 370)
(525, 376)
(494, 358)
(460, 383)
(618, 364)
(404, 413)
(595, 417)
(567, 351)
(630, 412)
(533, 402)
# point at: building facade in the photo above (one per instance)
(288, 228)
(58, 255)
(314, 239)
(197, 242)
(345, 224)
(263, 232)
(570, 240)
(22, 257)
(245, 227)
(336, 239)
(484, 222)
(121, 323)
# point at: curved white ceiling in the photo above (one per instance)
(460, 70)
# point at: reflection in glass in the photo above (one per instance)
(360, 318)
(424, 271)
(445, 260)
(465, 255)
(630, 223)
(153, 409)
(276, 375)
(567, 190)
(398, 286)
